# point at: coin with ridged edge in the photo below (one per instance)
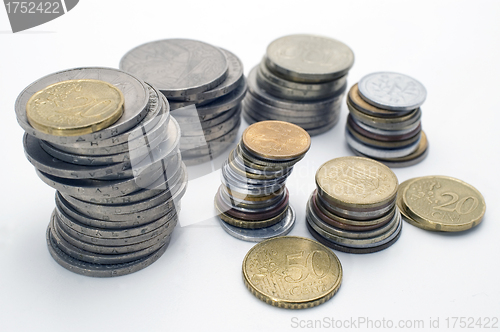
(292, 272)
(276, 140)
(75, 107)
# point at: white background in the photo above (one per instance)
(452, 47)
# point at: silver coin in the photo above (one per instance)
(224, 103)
(104, 211)
(268, 98)
(135, 107)
(377, 152)
(327, 88)
(393, 163)
(91, 257)
(99, 188)
(294, 94)
(255, 103)
(155, 188)
(214, 149)
(191, 124)
(256, 235)
(265, 173)
(350, 234)
(233, 79)
(232, 201)
(359, 243)
(385, 132)
(392, 91)
(143, 217)
(228, 171)
(112, 246)
(103, 160)
(212, 141)
(114, 233)
(177, 67)
(99, 270)
(309, 58)
(305, 123)
(211, 133)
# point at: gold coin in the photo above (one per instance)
(292, 272)
(356, 182)
(276, 140)
(402, 208)
(75, 107)
(443, 203)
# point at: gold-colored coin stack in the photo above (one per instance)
(252, 201)
(354, 208)
(440, 203)
(384, 119)
(106, 142)
(292, 272)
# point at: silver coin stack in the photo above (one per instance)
(118, 190)
(384, 119)
(204, 85)
(302, 80)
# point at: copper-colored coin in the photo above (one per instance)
(250, 224)
(255, 198)
(395, 144)
(276, 140)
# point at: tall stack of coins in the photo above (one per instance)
(292, 272)
(384, 119)
(106, 142)
(440, 203)
(252, 202)
(208, 79)
(354, 208)
(301, 79)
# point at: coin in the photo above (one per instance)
(256, 235)
(276, 140)
(355, 182)
(444, 203)
(177, 67)
(392, 91)
(292, 272)
(75, 107)
(134, 91)
(309, 58)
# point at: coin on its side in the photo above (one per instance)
(75, 107)
(292, 272)
(276, 140)
(356, 183)
(443, 203)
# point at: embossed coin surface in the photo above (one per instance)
(392, 91)
(356, 182)
(443, 203)
(292, 272)
(276, 140)
(75, 107)
(309, 58)
(177, 67)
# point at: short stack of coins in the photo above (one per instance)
(119, 182)
(354, 207)
(440, 203)
(384, 119)
(302, 80)
(204, 85)
(252, 202)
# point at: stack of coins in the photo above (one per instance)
(292, 272)
(384, 119)
(302, 80)
(204, 85)
(252, 202)
(440, 203)
(114, 160)
(354, 208)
